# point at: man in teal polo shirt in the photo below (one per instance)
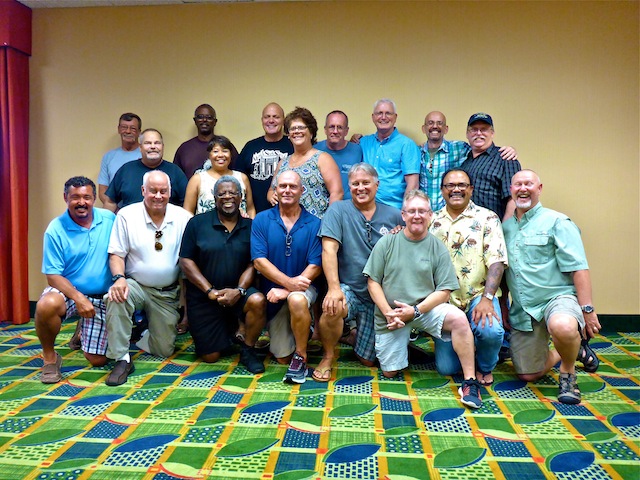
(550, 286)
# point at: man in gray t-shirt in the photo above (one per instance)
(350, 229)
(410, 280)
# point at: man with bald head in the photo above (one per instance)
(260, 156)
(143, 257)
(286, 250)
(550, 287)
(192, 154)
(124, 189)
(439, 155)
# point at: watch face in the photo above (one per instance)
(587, 309)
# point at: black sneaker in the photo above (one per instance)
(297, 371)
(469, 393)
(569, 392)
(250, 360)
(414, 335)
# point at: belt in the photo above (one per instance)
(170, 287)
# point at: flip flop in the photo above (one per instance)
(481, 379)
(320, 374)
(588, 357)
(182, 328)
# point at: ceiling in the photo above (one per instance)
(120, 3)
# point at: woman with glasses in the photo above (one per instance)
(321, 182)
(199, 197)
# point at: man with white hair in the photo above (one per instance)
(395, 156)
(143, 257)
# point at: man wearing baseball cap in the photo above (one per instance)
(490, 174)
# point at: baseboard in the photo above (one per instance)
(610, 323)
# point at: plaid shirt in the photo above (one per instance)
(491, 177)
(449, 155)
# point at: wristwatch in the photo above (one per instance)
(416, 311)
(243, 291)
(587, 308)
(488, 296)
(116, 277)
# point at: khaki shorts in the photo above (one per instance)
(283, 343)
(529, 350)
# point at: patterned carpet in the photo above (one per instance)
(177, 418)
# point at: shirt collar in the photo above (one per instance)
(529, 213)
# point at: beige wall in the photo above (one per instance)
(561, 80)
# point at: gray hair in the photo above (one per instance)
(385, 100)
(227, 179)
(363, 167)
(411, 194)
(145, 178)
(141, 137)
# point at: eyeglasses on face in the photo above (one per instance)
(298, 128)
(484, 130)
(431, 123)
(384, 114)
(417, 211)
(205, 117)
(158, 245)
(453, 186)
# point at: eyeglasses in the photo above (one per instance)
(128, 128)
(335, 127)
(453, 186)
(227, 194)
(479, 130)
(158, 245)
(369, 228)
(298, 128)
(205, 117)
(287, 245)
(431, 123)
(420, 211)
(384, 114)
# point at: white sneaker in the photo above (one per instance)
(143, 343)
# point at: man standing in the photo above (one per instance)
(260, 156)
(395, 157)
(345, 153)
(125, 186)
(143, 257)
(350, 229)
(475, 241)
(75, 263)
(192, 154)
(550, 286)
(129, 126)
(216, 259)
(412, 271)
(286, 250)
(491, 175)
(439, 155)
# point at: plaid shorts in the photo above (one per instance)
(362, 313)
(94, 329)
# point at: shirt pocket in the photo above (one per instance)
(538, 249)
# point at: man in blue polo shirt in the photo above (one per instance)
(75, 261)
(286, 250)
(395, 156)
(345, 153)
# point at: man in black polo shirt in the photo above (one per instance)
(216, 259)
(490, 174)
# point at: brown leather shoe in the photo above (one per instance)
(51, 372)
(120, 373)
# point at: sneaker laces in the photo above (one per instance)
(297, 362)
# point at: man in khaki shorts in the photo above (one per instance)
(550, 286)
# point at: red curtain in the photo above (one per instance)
(15, 49)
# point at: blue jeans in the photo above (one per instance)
(487, 341)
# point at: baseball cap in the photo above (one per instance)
(480, 117)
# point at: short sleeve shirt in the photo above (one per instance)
(79, 254)
(345, 158)
(544, 248)
(409, 271)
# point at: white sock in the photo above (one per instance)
(126, 357)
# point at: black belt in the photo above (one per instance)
(170, 287)
(97, 296)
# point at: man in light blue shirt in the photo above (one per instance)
(550, 286)
(129, 127)
(395, 156)
(345, 153)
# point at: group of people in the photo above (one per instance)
(360, 240)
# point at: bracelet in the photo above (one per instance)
(210, 290)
